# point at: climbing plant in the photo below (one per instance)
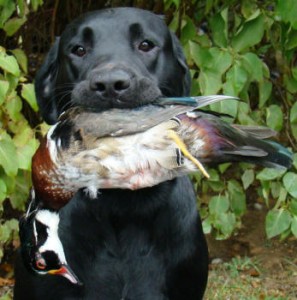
(245, 48)
(17, 138)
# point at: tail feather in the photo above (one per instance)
(259, 132)
(223, 142)
(278, 156)
(268, 154)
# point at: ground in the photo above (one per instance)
(248, 266)
(245, 267)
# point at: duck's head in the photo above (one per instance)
(41, 247)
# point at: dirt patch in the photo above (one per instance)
(273, 263)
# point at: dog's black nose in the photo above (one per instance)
(110, 83)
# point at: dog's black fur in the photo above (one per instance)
(136, 245)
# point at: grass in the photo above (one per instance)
(243, 279)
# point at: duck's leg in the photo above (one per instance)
(175, 137)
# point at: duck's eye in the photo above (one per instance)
(40, 264)
(146, 46)
(79, 51)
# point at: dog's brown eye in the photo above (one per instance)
(79, 51)
(146, 46)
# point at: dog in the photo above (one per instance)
(138, 245)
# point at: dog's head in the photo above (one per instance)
(122, 57)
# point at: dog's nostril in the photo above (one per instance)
(121, 85)
(100, 87)
(110, 83)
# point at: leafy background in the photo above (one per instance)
(243, 48)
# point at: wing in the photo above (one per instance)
(121, 122)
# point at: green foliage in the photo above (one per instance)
(245, 49)
(241, 48)
(17, 138)
(13, 14)
(8, 232)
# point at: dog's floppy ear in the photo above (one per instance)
(179, 54)
(45, 85)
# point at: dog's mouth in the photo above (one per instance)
(142, 93)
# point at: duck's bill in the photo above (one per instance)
(66, 272)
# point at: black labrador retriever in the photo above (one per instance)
(137, 245)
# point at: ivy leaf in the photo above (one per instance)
(249, 34)
(3, 191)
(8, 155)
(249, 9)
(13, 25)
(24, 136)
(36, 3)
(210, 82)
(8, 229)
(237, 197)
(14, 106)
(227, 107)
(287, 11)
(8, 180)
(21, 58)
(282, 194)
(214, 181)
(206, 224)
(268, 174)
(294, 226)
(188, 31)
(4, 86)
(293, 119)
(290, 83)
(9, 63)
(25, 154)
(214, 175)
(291, 42)
(236, 78)
(218, 205)
(248, 178)
(223, 167)
(218, 26)
(265, 88)
(22, 7)
(244, 114)
(221, 60)
(28, 93)
(7, 9)
(289, 181)
(20, 195)
(277, 221)
(253, 64)
(293, 207)
(226, 223)
(274, 117)
(200, 55)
